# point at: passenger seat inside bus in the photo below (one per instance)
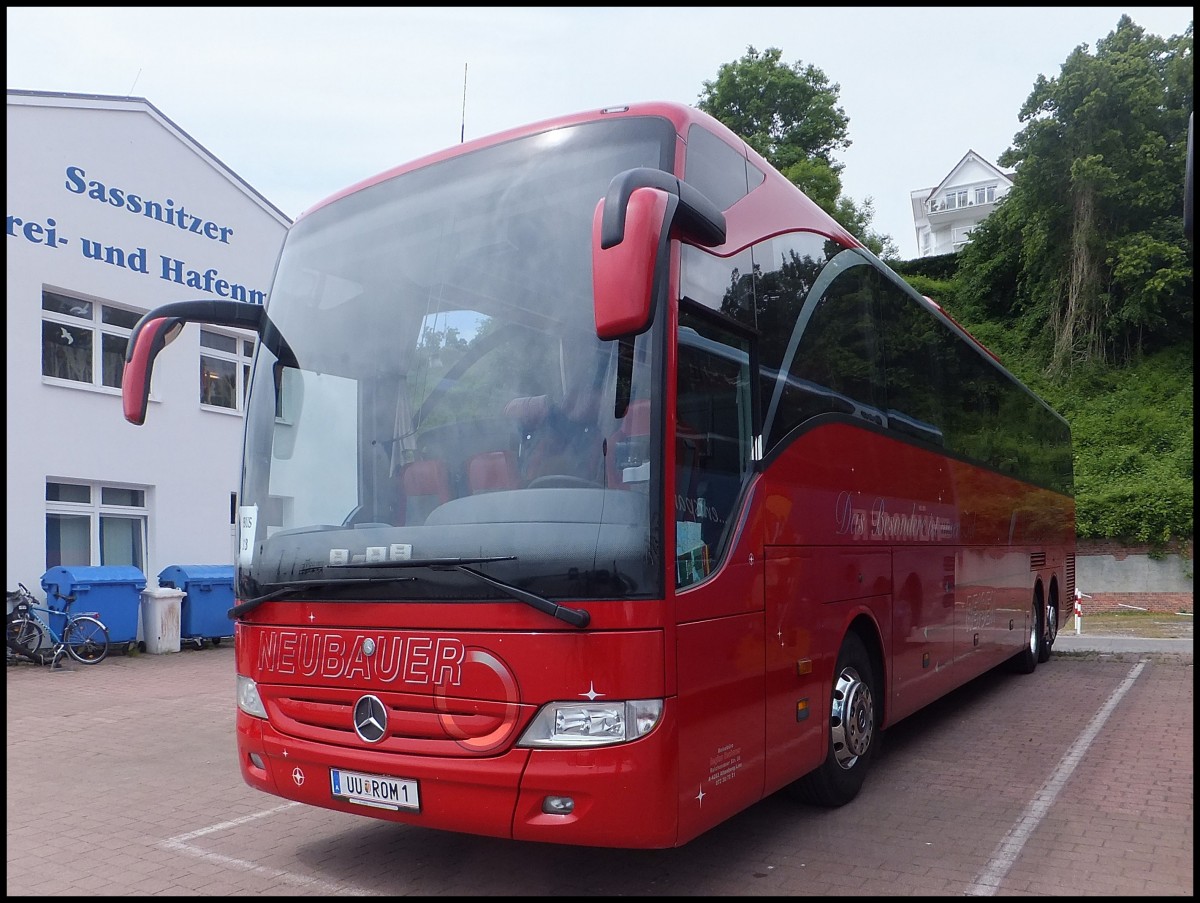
(492, 471)
(426, 485)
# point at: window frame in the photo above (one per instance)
(98, 512)
(100, 330)
(985, 195)
(242, 359)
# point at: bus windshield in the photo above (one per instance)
(444, 393)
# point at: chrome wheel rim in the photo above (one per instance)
(853, 718)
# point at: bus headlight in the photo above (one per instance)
(248, 699)
(573, 724)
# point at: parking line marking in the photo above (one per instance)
(987, 882)
(180, 843)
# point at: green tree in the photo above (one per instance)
(790, 115)
(1086, 255)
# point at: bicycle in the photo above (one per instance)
(84, 637)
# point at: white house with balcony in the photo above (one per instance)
(944, 215)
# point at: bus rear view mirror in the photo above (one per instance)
(150, 337)
(161, 326)
(623, 275)
(630, 229)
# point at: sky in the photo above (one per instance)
(303, 102)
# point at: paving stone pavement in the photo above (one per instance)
(1076, 780)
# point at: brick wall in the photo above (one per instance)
(1160, 602)
(1121, 550)
(1119, 576)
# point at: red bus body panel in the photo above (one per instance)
(932, 561)
(461, 700)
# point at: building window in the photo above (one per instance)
(73, 328)
(956, 199)
(985, 195)
(95, 524)
(224, 369)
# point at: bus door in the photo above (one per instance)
(719, 591)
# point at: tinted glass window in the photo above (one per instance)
(713, 443)
(719, 171)
(831, 364)
(916, 363)
(723, 284)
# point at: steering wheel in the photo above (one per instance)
(562, 481)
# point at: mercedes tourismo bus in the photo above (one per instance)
(597, 484)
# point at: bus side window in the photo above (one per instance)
(836, 365)
(713, 441)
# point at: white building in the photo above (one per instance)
(945, 214)
(112, 210)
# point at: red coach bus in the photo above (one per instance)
(597, 484)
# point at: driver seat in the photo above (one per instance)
(556, 440)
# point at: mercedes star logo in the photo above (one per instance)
(370, 719)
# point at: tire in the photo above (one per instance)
(86, 640)
(25, 636)
(1050, 634)
(854, 719)
(1027, 659)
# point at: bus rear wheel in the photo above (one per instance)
(853, 731)
(1027, 659)
(1051, 632)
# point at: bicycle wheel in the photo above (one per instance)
(87, 640)
(25, 635)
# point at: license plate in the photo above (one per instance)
(374, 790)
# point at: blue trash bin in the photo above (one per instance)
(113, 591)
(209, 596)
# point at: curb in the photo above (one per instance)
(1068, 644)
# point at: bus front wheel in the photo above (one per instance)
(853, 731)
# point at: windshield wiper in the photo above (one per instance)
(298, 586)
(573, 616)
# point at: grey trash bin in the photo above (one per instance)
(161, 612)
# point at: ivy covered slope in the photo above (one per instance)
(1133, 447)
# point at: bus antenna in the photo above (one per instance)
(462, 136)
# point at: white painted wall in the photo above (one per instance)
(187, 457)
